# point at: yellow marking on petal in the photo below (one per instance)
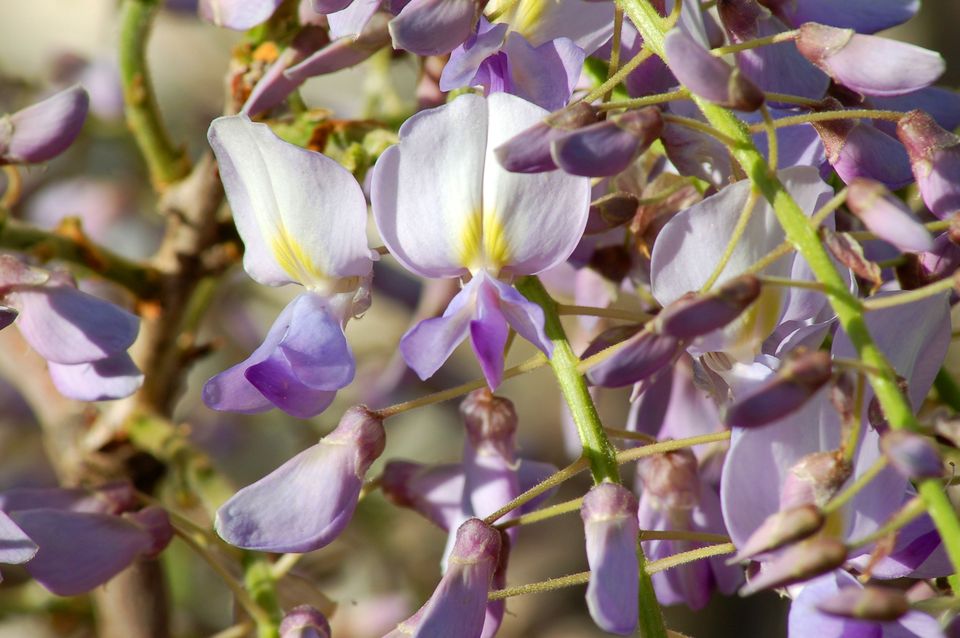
(483, 243)
(755, 324)
(292, 257)
(523, 17)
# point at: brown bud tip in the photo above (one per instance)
(799, 563)
(878, 604)
(491, 421)
(780, 529)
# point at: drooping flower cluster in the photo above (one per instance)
(715, 189)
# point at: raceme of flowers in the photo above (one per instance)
(755, 220)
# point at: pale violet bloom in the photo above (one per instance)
(445, 208)
(302, 218)
(533, 49)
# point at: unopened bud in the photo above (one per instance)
(708, 76)
(912, 455)
(529, 151)
(613, 262)
(798, 563)
(694, 315)
(344, 52)
(305, 621)
(877, 604)
(642, 354)
(43, 130)
(935, 158)
(491, 422)
(780, 529)
(868, 64)
(799, 378)
(815, 479)
(671, 478)
(609, 147)
(611, 529)
(886, 216)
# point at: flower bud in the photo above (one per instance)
(458, 604)
(912, 455)
(856, 148)
(275, 85)
(304, 621)
(671, 478)
(609, 513)
(814, 479)
(799, 378)
(7, 316)
(779, 67)
(609, 147)
(875, 414)
(491, 423)
(798, 563)
(611, 211)
(877, 604)
(935, 159)
(709, 76)
(642, 354)
(612, 262)
(694, 314)
(489, 453)
(305, 503)
(779, 529)
(886, 216)
(868, 64)
(529, 151)
(344, 52)
(44, 130)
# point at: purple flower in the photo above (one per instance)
(806, 619)
(302, 219)
(84, 339)
(887, 216)
(458, 604)
(869, 64)
(304, 621)
(307, 502)
(690, 246)
(344, 52)
(935, 159)
(609, 513)
(864, 16)
(446, 209)
(773, 452)
(530, 150)
(16, 547)
(709, 76)
(434, 27)
(43, 130)
(779, 67)
(608, 147)
(59, 521)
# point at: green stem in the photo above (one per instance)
(825, 116)
(910, 296)
(259, 581)
(597, 449)
(804, 237)
(70, 244)
(166, 162)
(786, 36)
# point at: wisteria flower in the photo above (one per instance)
(83, 338)
(302, 218)
(445, 208)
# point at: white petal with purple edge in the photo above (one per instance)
(301, 215)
